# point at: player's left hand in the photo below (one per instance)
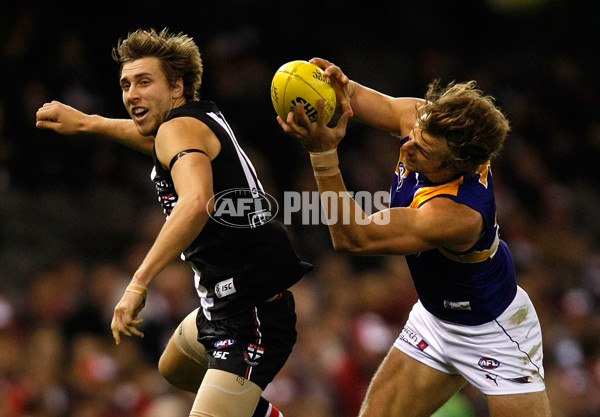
(125, 318)
(316, 136)
(341, 83)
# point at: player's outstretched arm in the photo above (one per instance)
(67, 120)
(381, 111)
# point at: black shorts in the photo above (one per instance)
(254, 344)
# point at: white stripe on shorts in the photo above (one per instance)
(500, 357)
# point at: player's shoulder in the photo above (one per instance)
(186, 132)
(183, 129)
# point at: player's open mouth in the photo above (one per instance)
(139, 112)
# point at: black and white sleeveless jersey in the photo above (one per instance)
(243, 255)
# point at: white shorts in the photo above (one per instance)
(501, 357)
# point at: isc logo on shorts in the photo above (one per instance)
(488, 363)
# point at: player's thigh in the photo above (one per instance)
(223, 394)
(533, 404)
(183, 363)
(404, 386)
(179, 370)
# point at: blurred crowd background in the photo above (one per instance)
(78, 213)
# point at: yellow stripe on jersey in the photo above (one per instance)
(483, 172)
(475, 256)
(427, 193)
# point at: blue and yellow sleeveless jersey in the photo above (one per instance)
(471, 287)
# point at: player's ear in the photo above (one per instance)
(177, 90)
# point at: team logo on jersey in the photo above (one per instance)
(165, 190)
(243, 208)
(488, 363)
(253, 354)
(400, 172)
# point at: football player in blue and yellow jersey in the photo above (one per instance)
(472, 323)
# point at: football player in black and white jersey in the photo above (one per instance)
(233, 345)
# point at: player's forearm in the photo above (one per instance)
(381, 111)
(122, 131)
(345, 216)
(342, 211)
(372, 107)
(185, 223)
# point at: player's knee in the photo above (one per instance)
(166, 368)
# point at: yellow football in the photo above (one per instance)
(301, 81)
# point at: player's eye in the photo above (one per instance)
(418, 145)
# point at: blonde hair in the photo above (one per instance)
(178, 54)
(473, 126)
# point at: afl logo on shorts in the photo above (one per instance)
(223, 343)
(488, 363)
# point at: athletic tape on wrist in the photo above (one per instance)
(325, 164)
(138, 289)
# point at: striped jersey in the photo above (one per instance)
(471, 287)
(242, 255)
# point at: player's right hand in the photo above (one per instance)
(125, 318)
(316, 137)
(59, 117)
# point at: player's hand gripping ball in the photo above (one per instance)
(302, 82)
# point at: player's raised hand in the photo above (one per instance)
(317, 136)
(331, 70)
(340, 81)
(61, 118)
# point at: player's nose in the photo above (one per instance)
(132, 94)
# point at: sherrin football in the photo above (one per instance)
(301, 81)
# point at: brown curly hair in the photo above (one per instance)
(178, 54)
(473, 126)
